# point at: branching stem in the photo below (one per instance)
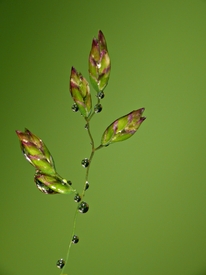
(85, 182)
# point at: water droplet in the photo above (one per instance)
(75, 239)
(97, 108)
(75, 108)
(100, 95)
(98, 65)
(85, 162)
(77, 198)
(60, 263)
(66, 182)
(86, 185)
(86, 126)
(83, 207)
(43, 188)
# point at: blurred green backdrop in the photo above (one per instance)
(147, 195)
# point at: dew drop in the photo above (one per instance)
(66, 182)
(75, 108)
(43, 188)
(85, 162)
(97, 108)
(86, 126)
(75, 239)
(60, 263)
(86, 185)
(100, 95)
(77, 198)
(69, 182)
(83, 207)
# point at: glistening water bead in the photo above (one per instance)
(77, 198)
(83, 207)
(75, 108)
(85, 162)
(66, 182)
(100, 95)
(43, 188)
(60, 263)
(86, 185)
(75, 239)
(97, 108)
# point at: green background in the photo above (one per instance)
(147, 195)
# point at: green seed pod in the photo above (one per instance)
(80, 92)
(36, 152)
(123, 128)
(99, 63)
(52, 184)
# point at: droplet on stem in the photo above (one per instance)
(77, 198)
(66, 182)
(97, 108)
(85, 162)
(43, 188)
(75, 239)
(69, 182)
(83, 207)
(100, 95)
(86, 185)
(60, 263)
(86, 127)
(75, 108)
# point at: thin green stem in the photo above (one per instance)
(90, 117)
(86, 180)
(90, 158)
(99, 147)
(70, 244)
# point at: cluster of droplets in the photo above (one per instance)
(97, 107)
(83, 207)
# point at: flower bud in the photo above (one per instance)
(36, 152)
(46, 178)
(123, 128)
(52, 184)
(80, 92)
(99, 63)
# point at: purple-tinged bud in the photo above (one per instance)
(80, 92)
(52, 184)
(46, 178)
(123, 128)
(99, 63)
(36, 152)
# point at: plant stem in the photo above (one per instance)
(69, 248)
(90, 158)
(84, 188)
